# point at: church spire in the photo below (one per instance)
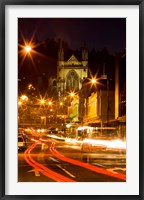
(61, 52)
(84, 52)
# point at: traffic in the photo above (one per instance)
(56, 155)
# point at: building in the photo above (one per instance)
(97, 104)
(71, 72)
(120, 85)
(120, 93)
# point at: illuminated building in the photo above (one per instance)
(71, 72)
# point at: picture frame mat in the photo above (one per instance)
(131, 13)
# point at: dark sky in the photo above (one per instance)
(97, 32)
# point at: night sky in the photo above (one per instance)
(97, 32)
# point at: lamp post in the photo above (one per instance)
(74, 106)
(95, 81)
(26, 53)
(42, 103)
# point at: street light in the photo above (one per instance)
(19, 103)
(94, 81)
(42, 102)
(50, 103)
(61, 103)
(24, 98)
(27, 48)
(72, 94)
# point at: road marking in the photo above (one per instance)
(66, 171)
(53, 159)
(116, 168)
(122, 169)
(35, 171)
(85, 165)
(98, 165)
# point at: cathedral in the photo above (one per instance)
(72, 72)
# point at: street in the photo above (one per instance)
(51, 160)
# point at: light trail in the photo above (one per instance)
(44, 170)
(85, 165)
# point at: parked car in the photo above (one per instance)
(21, 143)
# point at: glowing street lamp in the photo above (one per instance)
(72, 94)
(27, 48)
(93, 80)
(61, 103)
(19, 103)
(42, 101)
(24, 97)
(50, 103)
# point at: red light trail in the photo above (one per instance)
(44, 170)
(58, 177)
(86, 165)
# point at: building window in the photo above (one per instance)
(72, 81)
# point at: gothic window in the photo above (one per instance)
(72, 80)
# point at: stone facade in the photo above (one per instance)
(71, 72)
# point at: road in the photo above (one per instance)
(51, 160)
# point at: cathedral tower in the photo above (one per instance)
(61, 55)
(71, 72)
(84, 55)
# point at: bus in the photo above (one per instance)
(99, 138)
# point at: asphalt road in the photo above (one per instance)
(51, 160)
